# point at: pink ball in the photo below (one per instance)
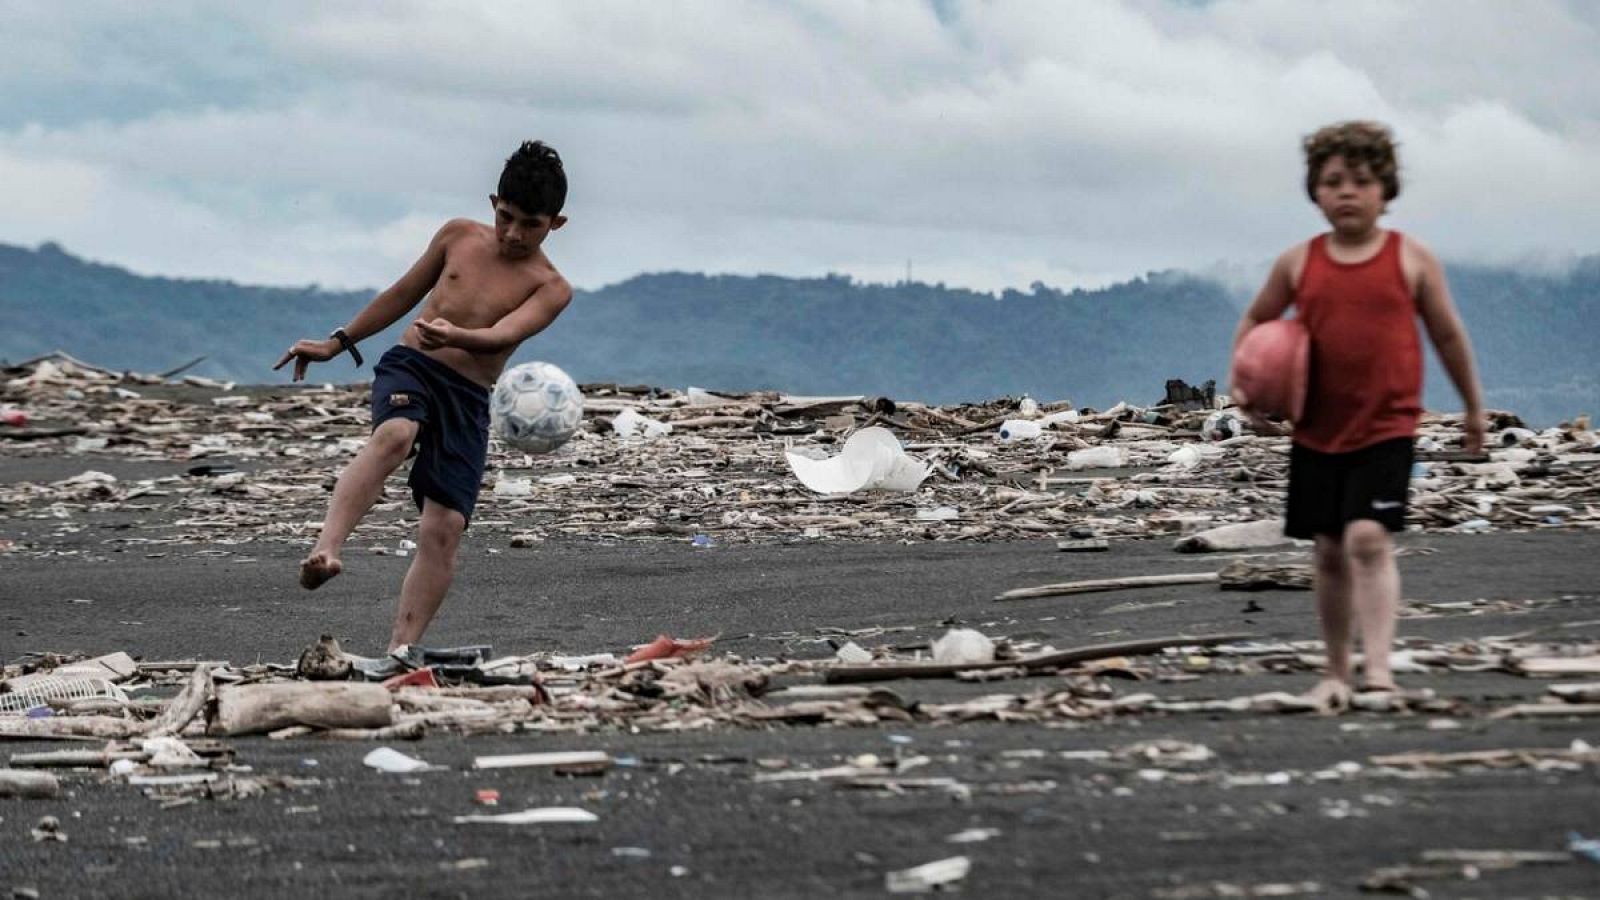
(1271, 367)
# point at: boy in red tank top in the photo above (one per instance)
(1359, 289)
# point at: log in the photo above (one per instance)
(1238, 536)
(408, 731)
(184, 707)
(65, 759)
(260, 708)
(1559, 665)
(1244, 575)
(856, 674)
(1096, 585)
(1546, 710)
(22, 783)
(68, 728)
(1089, 545)
(1577, 693)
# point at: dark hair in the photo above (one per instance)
(534, 179)
(1357, 142)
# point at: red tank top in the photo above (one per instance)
(1366, 352)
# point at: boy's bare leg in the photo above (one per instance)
(359, 486)
(1336, 613)
(1375, 589)
(428, 579)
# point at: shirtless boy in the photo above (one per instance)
(1359, 289)
(487, 290)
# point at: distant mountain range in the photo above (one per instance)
(1536, 334)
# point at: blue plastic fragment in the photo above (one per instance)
(1588, 848)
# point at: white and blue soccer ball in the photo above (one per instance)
(535, 407)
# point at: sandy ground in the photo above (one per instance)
(683, 815)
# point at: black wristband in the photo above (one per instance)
(347, 344)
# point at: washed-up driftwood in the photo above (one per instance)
(68, 728)
(1244, 575)
(260, 708)
(1546, 710)
(1577, 693)
(1238, 536)
(1526, 756)
(23, 783)
(184, 707)
(851, 674)
(1559, 665)
(1096, 585)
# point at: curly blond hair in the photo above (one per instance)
(1358, 142)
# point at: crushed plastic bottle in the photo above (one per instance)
(1019, 430)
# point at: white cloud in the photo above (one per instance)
(995, 146)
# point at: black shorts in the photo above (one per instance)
(1327, 491)
(452, 444)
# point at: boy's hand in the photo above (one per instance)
(1259, 423)
(304, 353)
(435, 334)
(1476, 426)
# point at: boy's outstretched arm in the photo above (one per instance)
(1449, 337)
(384, 309)
(1269, 304)
(533, 316)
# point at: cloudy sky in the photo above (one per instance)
(991, 144)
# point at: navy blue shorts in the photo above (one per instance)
(453, 413)
(1328, 491)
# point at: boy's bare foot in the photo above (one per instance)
(317, 569)
(1330, 695)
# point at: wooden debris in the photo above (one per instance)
(1058, 659)
(184, 707)
(68, 728)
(1559, 666)
(1088, 545)
(1108, 584)
(24, 783)
(1251, 575)
(260, 708)
(1577, 693)
(1238, 536)
(1546, 710)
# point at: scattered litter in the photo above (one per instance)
(664, 647)
(387, 759)
(928, 876)
(569, 761)
(872, 460)
(961, 646)
(549, 815)
(852, 653)
(1587, 848)
(629, 423)
(1237, 536)
(1019, 430)
(25, 783)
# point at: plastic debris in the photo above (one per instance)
(388, 759)
(664, 647)
(963, 645)
(629, 423)
(928, 876)
(549, 815)
(872, 460)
